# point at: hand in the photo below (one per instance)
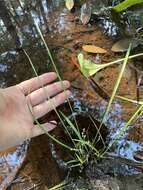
(16, 121)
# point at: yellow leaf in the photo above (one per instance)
(69, 4)
(93, 49)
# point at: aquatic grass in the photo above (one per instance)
(116, 86)
(129, 100)
(54, 65)
(48, 51)
(83, 146)
(133, 118)
(51, 136)
(76, 128)
(46, 95)
(77, 133)
(57, 187)
(88, 69)
(132, 101)
(80, 157)
(95, 138)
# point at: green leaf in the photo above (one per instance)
(89, 68)
(126, 4)
(86, 72)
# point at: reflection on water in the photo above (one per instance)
(10, 163)
(124, 146)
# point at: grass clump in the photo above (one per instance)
(81, 146)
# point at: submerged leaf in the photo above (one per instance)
(82, 61)
(89, 68)
(85, 13)
(93, 49)
(69, 4)
(122, 45)
(125, 4)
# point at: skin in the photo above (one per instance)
(17, 103)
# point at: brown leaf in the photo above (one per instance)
(123, 45)
(93, 49)
(69, 4)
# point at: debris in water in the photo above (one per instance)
(69, 4)
(93, 49)
(123, 44)
(85, 13)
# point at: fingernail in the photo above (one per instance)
(53, 122)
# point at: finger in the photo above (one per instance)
(43, 128)
(49, 105)
(42, 94)
(36, 82)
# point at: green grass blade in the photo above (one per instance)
(133, 118)
(52, 137)
(54, 65)
(46, 95)
(58, 187)
(45, 92)
(117, 84)
(88, 144)
(97, 132)
(48, 50)
(72, 126)
(129, 100)
(114, 91)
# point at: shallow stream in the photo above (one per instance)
(39, 163)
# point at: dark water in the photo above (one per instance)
(65, 36)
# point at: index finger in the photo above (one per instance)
(36, 82)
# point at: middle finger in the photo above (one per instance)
(42, 94)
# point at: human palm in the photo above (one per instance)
(19, 103)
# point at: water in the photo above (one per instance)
(65, 36)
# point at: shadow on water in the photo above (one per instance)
(40, 163)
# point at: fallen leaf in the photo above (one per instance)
(123, 45)
(93, 49)
(85, 13)
(69, 4)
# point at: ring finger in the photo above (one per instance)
(45, 107)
